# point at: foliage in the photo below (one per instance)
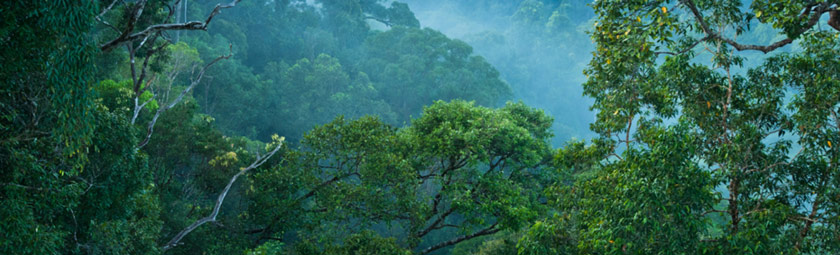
(539, 47)
(736, 156)
(46, 116)
(368, 242)
(458, 166)
(301, 64)
(703, 158)
(414, 67)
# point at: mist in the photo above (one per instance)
(540, 48)
(426, 127)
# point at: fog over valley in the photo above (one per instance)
(539, 47)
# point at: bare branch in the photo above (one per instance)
(172, 9)
(383, 21)
(139, 80)
(23, 186)
(106, 9)
(126, 36)
(212, 217)
(99, 17)
(139, 106)
(163, 108)
(138, 10)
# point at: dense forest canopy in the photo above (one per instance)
(420, 127)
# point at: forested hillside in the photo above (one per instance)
(419, 127)
(539, 47)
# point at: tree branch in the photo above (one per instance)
(266, 232)
(212, 217)
(385, 22)
(127, 36)
(326, 183)
(23, 186)
(712, 211)
(99, 17)
(139, 106)
(138, 10)
(834, 19)
(486, 231)
(435, 224)
(809, 221)
(684, 50)
(814, 18)
(150, 127)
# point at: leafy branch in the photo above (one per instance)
(175, 241)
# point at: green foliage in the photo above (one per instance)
(309, 93)
(59, 78)
(734, 157)
(368, 242)
(117, 212)
(46, 121)
(555, 235)
(783, 14)
(650, 202)
(538, 46)
(458, 165)
(698, 158)
(268, 248)
(118, 97)
(300, 65)
(414, 67)
(494, 153)
(192, 162)
(498, 244)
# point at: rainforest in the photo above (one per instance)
(413, 127)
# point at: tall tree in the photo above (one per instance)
(142, 27)
(458, 173)
(47, 121)
(673, 79)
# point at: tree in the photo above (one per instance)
(759, 136)
(539, 47)
(459, 172)
(46, 121)
(278, 143)
(315, 69)
(413, 67)
(117, 211)
(81, 174)
(348, 19)
(144, 43)
(144, 37)
(313, 92)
